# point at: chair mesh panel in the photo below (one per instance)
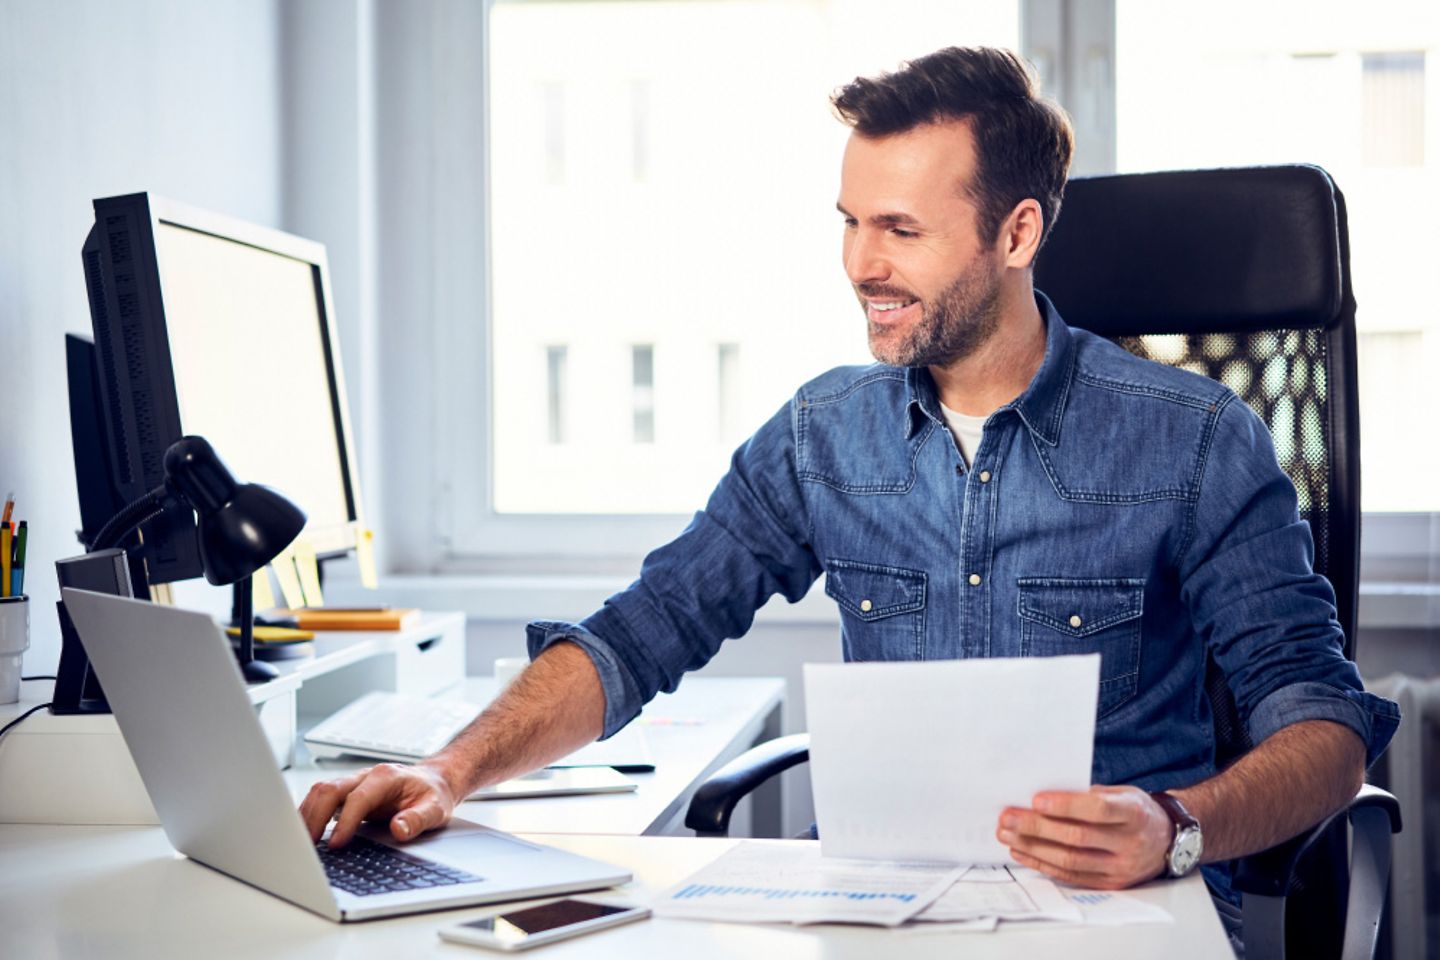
(1283, 375)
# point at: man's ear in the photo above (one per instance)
(1020, 234)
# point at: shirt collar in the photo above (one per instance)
(1040, 407)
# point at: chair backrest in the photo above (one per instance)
(1242, 275)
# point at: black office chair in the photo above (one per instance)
(1242, 275)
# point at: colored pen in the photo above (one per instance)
(5, 540)
(9, 508)
(17, 566)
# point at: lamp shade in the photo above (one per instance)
(243, 526)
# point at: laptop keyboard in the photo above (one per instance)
(366, 868)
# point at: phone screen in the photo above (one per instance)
(546, 917)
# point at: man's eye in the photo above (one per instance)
(904, 234)
(851, 223)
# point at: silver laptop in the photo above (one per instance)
(181, 704)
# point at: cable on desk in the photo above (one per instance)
(42, 677)
(16, 722)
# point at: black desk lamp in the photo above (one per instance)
(243, 526)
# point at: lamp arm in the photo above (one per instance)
(118, 527)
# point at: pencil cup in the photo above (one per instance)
(14, 641)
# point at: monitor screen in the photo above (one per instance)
(248, 350)
(214, 327)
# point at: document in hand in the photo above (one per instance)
(915, 761)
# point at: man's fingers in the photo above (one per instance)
(377, 791)
(1069, 833)
(1095, 806)
(413, 821)
(324, 799)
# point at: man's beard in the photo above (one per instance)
(952, 326)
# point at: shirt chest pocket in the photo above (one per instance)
(882, 609)
(1059, 617)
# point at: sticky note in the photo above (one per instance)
(365, 557)
(284, 567)
(308, 569)
(263, 596)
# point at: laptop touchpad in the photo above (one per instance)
(479, 847)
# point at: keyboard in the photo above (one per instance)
(390, 726)
(404, 729)
(366, 868)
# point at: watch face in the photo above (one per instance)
(1185, 852)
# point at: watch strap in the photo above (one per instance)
(1175, 810)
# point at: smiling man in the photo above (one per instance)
(999, 484)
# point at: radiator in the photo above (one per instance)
(1419, 702)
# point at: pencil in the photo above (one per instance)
(5, 540)
(9, 508)
(17, 566)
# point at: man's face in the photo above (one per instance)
(929, 285)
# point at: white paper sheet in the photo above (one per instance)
(793, 883)
(1105, 908)
(915, 761)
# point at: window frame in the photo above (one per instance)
(467, 535)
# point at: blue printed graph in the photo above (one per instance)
(697, 891)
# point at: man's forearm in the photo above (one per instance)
(1289, 782)
(555, 707)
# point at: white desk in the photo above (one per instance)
(122, 892)
(733, 714)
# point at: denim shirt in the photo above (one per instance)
(1117, 506)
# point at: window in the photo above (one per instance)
(1240, 84)
(662, 203)
(642, 380)
(727, 392)
(555, 394)
(1394, 109)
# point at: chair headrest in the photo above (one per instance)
(1255, 248)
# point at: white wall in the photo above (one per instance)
(97, 99)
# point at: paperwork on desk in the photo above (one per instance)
(916, 761)
(788, 882)
(793, 883)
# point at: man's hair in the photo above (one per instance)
(1022, 143)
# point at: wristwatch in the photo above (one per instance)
(1187, 843)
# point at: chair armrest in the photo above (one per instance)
(715, 800)
(1271, 873)
(1267, 878)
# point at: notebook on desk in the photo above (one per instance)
(187, 718)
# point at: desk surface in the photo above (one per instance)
(122, 892)
(693, 732)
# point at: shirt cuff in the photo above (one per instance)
(1374, 719)
(622, 695)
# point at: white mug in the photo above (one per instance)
(507, 669)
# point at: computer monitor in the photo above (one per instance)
(206, 325)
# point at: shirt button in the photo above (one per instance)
(984, 476)
(865, 606)
(974, 579)
(1075, 620)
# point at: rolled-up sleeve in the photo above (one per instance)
(703, 587)
(1269, 620)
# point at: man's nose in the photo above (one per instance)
(863, 262)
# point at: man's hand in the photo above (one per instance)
(1108, 838)
(415, 799)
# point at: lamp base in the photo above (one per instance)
(257, 671)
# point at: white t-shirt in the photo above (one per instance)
(967, 430)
